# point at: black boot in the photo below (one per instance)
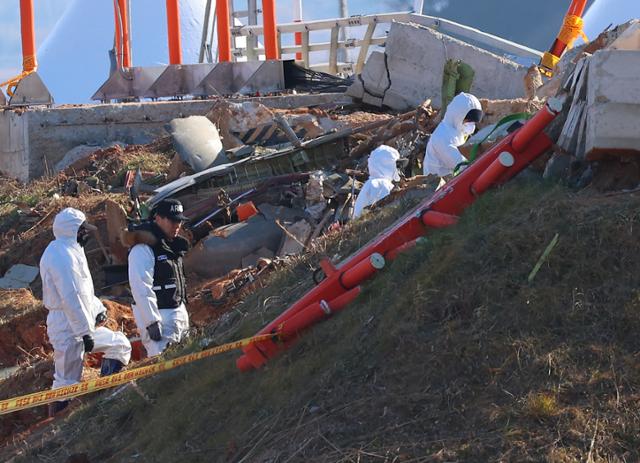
(110, 367)
(57, 407)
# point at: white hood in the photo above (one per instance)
(382, 174)
(67, 223)
(382, 163)
(442, 154)
(458, 110)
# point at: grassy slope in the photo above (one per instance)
(449, 355)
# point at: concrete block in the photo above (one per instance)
(612, 129)
(629, 39)
(80, 152)
(613, 77)
(14, 144)
(415, 62)
(19, 276)
(372, 100)
(355, 90)
(374, 79)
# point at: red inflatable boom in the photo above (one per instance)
(341, 284)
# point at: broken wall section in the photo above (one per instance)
(410, 71)
(613, 104)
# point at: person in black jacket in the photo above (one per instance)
(156, 276)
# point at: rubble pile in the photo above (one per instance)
(278, 180)
(260, 186)
(597, 133)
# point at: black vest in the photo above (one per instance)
(169, 282)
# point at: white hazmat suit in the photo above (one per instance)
(68, 295)
(382, 174)
(442, 155)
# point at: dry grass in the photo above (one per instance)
(449, 355)
(14, 302)
(541, 405)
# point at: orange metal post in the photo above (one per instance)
(290, 328)
(28, 31)
(362, 271)
(315, 313)
(224, 31)
(571, 26)
(536, 124)
(393, 253)
(270, 29)
(173, 31)
(433, 219)
(576, 9)
(298, 39)
(493, 173)
(123, 47)
(297, 17)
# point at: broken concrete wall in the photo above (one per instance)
(35, 139)
(54, 132)
(14, 145)
(613, 103)
(412, 70)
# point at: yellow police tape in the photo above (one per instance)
(86, 387)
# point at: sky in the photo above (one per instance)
(47, 14)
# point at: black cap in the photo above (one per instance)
(171, 209)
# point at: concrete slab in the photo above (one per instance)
(19, 276)
(629, 39)
(612, 129)
(613, 77)
(613, 104)
(415, 62)
(80, 152)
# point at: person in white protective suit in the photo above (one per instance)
(459, 123)
(75, 313)
(382, 173)
(156, 276)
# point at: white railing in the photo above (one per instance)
(479, 38)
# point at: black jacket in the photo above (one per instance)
(169, 282)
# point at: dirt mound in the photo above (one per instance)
(452, 354)
(25, 244)
(210, 299)
(22, 328)
(108, 166)
(120, 318)
(29, 378)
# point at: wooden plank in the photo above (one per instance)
(305, 48)
(205, 32)
(364, 46)
(581, 145)
(568, 140)
(333, 51)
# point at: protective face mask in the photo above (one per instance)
(83, 236)
(468, 128)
